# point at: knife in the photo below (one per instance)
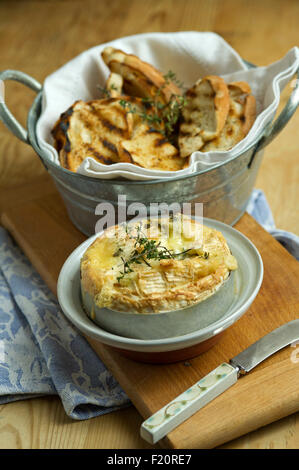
(216, 382)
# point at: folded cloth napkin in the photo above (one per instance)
(259, 209)
(191, 55)
(42, 353)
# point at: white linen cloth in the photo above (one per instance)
(191, 55)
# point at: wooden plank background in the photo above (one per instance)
(39, 36)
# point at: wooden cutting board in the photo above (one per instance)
(40, 225)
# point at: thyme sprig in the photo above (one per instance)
(104, 92)
(146, 249)
(164, 115)
(170, 76)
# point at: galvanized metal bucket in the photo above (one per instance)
(224, 189)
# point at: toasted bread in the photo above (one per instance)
(140, 78)
(204, 114)
(92, 129)
(240, 118)
(114, 85)
(150, 149)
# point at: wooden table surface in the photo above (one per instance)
(37, 37)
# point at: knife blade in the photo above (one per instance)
(216, 382)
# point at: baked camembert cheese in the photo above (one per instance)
(155, 265)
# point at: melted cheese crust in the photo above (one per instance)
(200, 262)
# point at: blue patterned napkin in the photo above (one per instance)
(259, 209)
(42, 353)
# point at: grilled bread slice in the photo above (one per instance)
(240, 118)
(204, 114)
(140, 78)
(114, 85)
(150, 149)
(92, 129)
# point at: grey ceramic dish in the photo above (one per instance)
(246, 284)
(164, 324)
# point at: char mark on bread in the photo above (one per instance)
(204, 114)
(241, 116)
(139, 78)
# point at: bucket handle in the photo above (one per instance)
(6, 116)
(280, 122)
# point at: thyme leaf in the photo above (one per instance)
(104, 91)
(146, 249)
(164, 115)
